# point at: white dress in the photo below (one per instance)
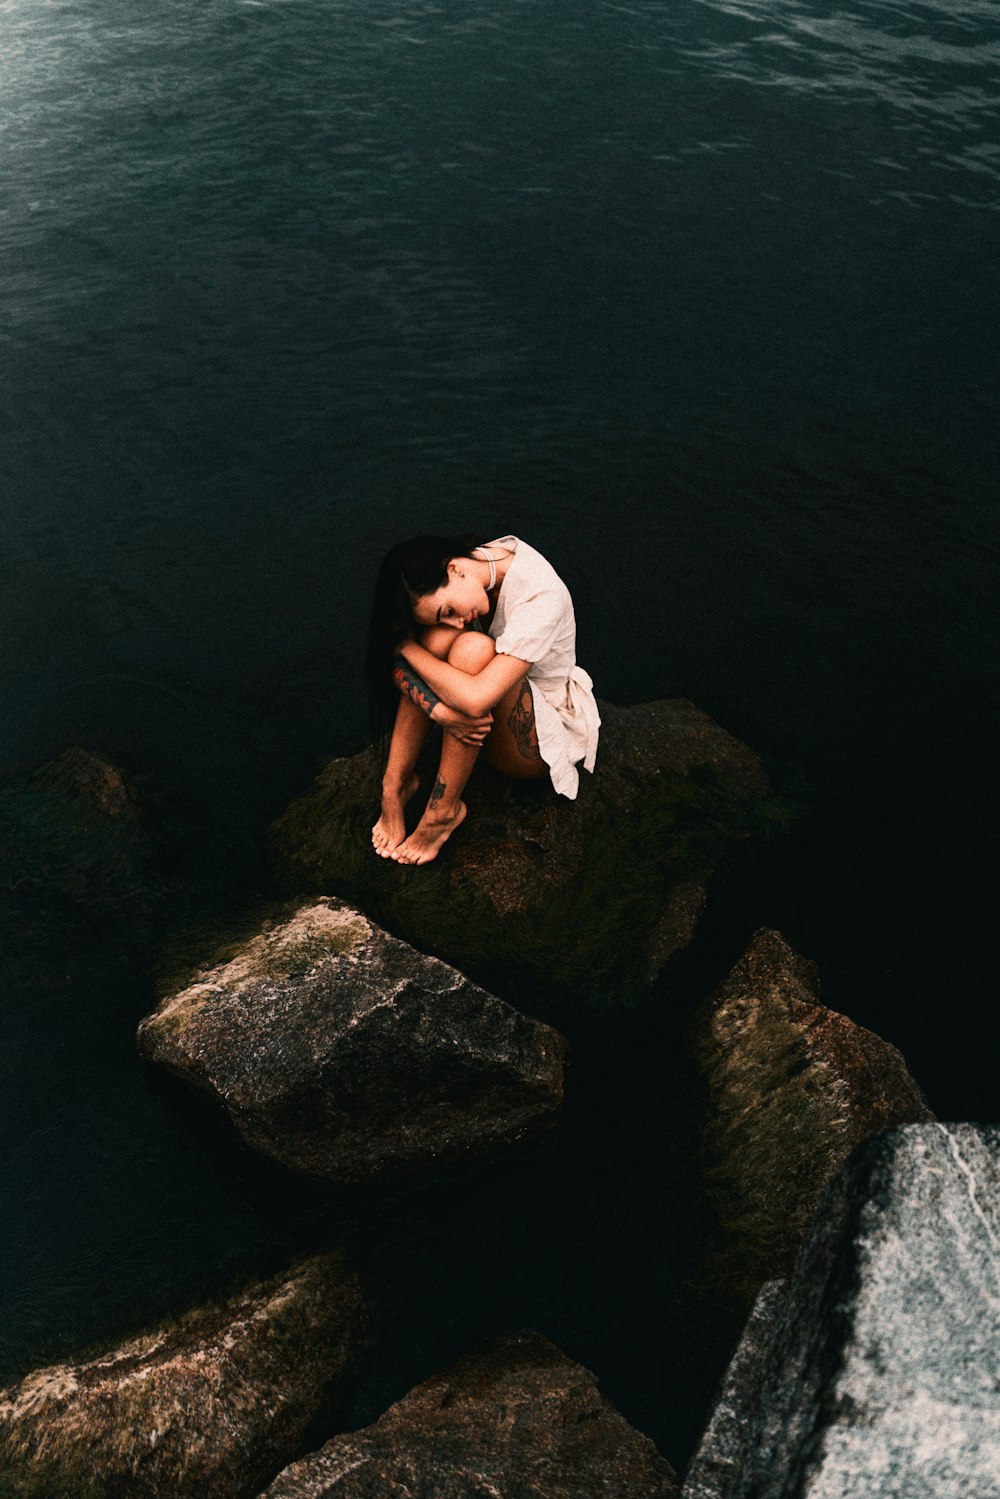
(534, 620)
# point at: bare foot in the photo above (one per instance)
(390, 830)
(429, 836)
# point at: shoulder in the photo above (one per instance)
(533, 573)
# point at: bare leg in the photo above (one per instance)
(445, 810)
(512, 747)
(513, 744)
(399, 780)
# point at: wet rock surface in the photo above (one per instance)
(792, 1087)
(211, 1404)
(341, 1052)
(881, 1376)
(516, 1418)
(592, 896)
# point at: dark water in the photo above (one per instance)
(701, 298)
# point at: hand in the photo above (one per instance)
(471, 731)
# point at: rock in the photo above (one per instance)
(881, 1378)
(792, 1088)
(715, 1467)
(516, 1418)
(341, 1052)
(593, 896)
(80, 774)
(211, 1405)
(73, 842)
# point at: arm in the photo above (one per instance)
(407, 680)
(470, 730)
(472, 696)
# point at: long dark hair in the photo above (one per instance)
(409, 571)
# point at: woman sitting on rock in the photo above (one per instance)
(479, 637)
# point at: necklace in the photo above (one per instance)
(493, 567)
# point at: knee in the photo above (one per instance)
(438, 639)
(471, 651)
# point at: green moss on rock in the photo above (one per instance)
(590, 897)
(791, 1088)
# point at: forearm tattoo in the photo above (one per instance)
(407, 680)
(521, 722)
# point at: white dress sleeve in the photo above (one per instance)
(536, 625)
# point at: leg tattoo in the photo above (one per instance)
(439, 790)
(521, 722)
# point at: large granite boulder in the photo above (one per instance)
(879, 1379)
(791, 1088)
(342, 1053)
(516, 1418)
(715, 1467)
(212, 1404)
(591, 896)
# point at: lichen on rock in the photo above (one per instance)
(282, 950)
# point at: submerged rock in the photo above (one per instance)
(73, 842)
(517, 1417)
(341, 1052)
(880, 1380)
(212, 1404)
(592, 896)
(792, 1088)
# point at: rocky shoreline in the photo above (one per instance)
(592, 897)
(862, 1236)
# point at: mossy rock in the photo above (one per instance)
(45, 1481)
(791, 1088)
(213, 1402)
(590, 897)
(343, 1053)
(74, 844)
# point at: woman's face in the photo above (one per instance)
(458, 603)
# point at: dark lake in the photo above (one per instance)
(701, 299)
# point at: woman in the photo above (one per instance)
(478, 637)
